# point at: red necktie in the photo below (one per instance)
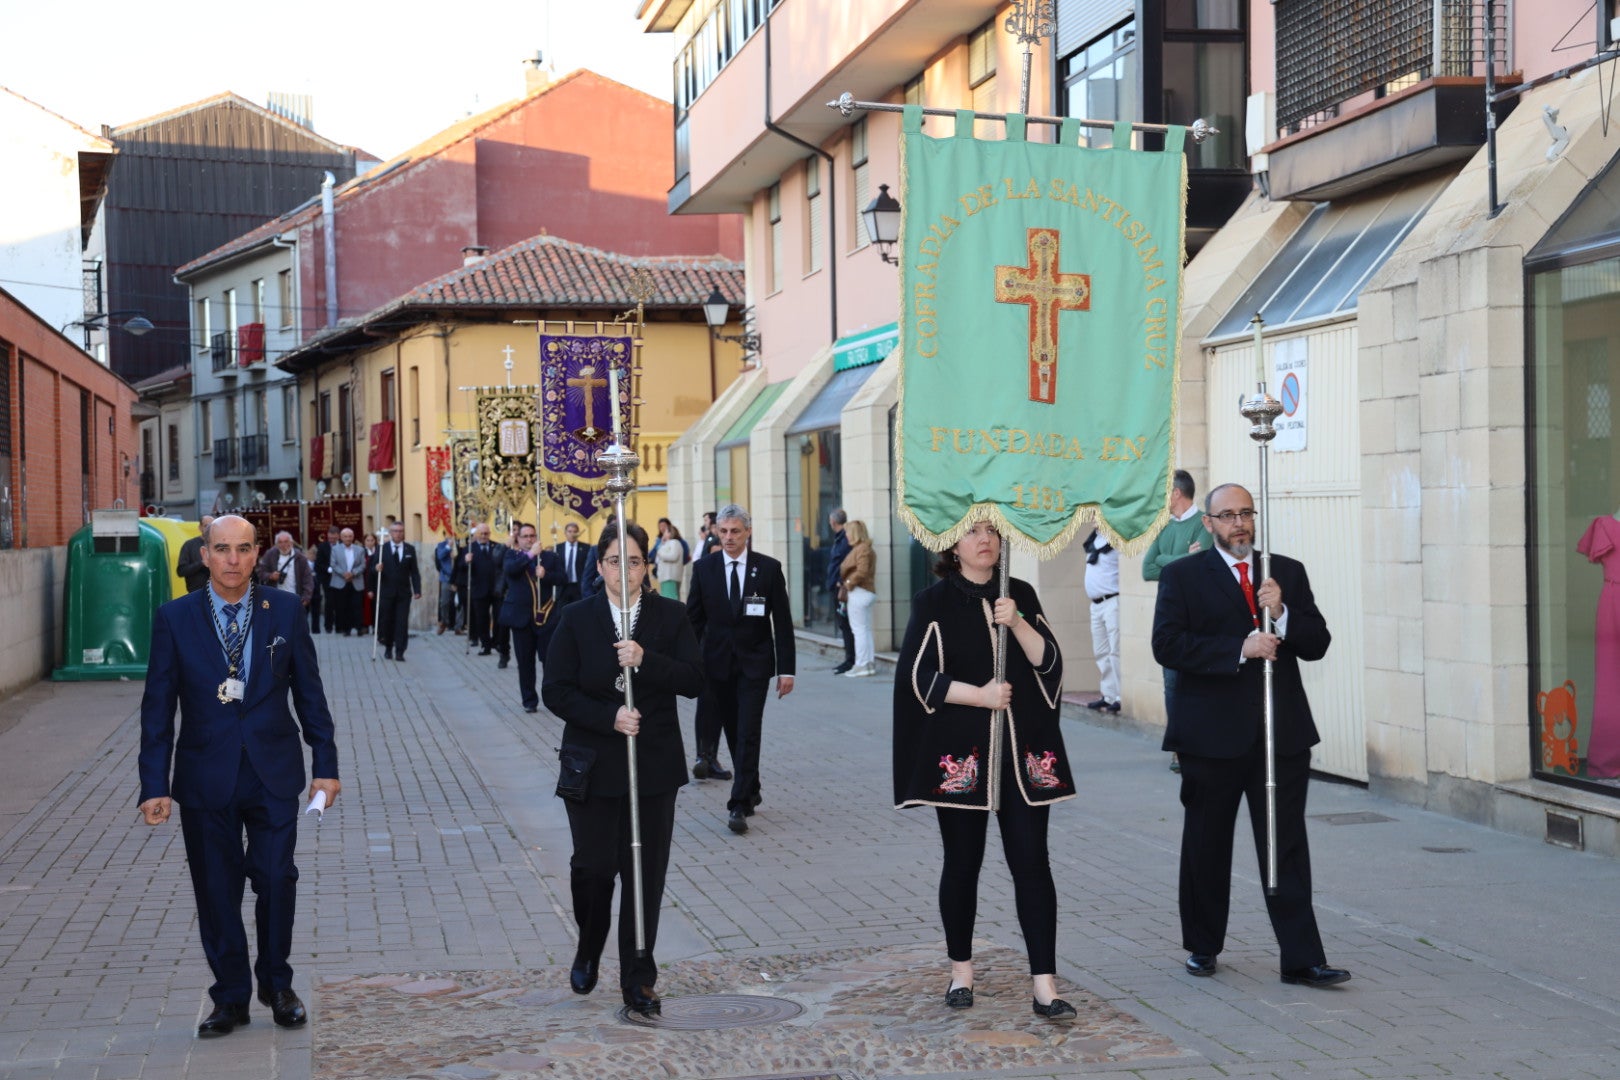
(1248, 590)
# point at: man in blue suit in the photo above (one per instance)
(532, 573)
(229, 656)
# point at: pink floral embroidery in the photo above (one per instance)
(1042, 770)
(960, 776)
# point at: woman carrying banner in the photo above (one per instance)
(966, 744)
(583, 666)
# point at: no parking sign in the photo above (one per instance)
(1288, 362)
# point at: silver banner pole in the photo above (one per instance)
(620, 463)
(1260, 409)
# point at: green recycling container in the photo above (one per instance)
(117, 575)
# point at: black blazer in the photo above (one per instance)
(581, 666)
(1218, 706)
(487, 561)
(394, 575)
(527, 593)
(733, 643)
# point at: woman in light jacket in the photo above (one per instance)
(857, 589)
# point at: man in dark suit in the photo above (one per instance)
(531, 574)
(229, 656)
(399, 581)
(321, 611)
(486, 562)
(1207, 628)
(189, 565)
(738, 604)
(576, 558)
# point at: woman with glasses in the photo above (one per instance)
(586, 666)
(966, 744)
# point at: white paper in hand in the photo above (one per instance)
(317, 805)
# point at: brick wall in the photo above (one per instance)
(73, 437)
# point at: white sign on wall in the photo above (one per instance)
(1288, 362)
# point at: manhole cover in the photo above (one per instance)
(1360, 817)
(712, 1012)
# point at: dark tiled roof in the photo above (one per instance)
(548, 271)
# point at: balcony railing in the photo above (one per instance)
(219, 349)
(1332, 51)
(255, 454)
(224, 458)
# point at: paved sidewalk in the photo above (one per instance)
(434, 924)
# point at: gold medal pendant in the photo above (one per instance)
(224, 694)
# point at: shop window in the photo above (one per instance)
(1574, 388)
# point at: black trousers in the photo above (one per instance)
(1023, 842)
(220, 866)
(348, 605)
(1210, 791)
(394, 621)
(737, 708)
(530, 645)
(601, 829)
(329, 613)
(316, 596)
(481, 628)
(846, 631)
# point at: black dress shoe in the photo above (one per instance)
(388, 654)
(1201, 964)
(716, 772)
(643, 999)
(841, 668)
(285, 1008)
(222, 1021)
(485, 652)
(504, 661)
(1056, 1009)
(582, 976)
(738, 822)
(959, 997)
(1316, 975)
(700, 769)
(531, 708)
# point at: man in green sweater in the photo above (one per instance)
(1184, 535)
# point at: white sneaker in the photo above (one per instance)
(861, 672)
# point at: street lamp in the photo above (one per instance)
(882, 220)
(716, 311)
(136, 324)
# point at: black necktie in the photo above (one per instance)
(736, 585)
(571, 579)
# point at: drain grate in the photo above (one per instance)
(1360, 817)
(715, 1012)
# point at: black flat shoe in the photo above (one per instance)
(582, 976)
(643, 999)
(285, 1008)
(1317, 975)
(1056, 1009)
(959, 997)
(1201, 964)
(222, 1021)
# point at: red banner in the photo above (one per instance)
(381, 457)
(317, 457)
(440, 511)
(320, 519)
(286, 517)
(348, 513)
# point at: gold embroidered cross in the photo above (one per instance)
(1047, 292)
(588, 383)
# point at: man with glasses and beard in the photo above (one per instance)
(1207, 627)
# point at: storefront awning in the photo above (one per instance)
(737, 434)
(1323, 267)
(866, 347)
(827, 408)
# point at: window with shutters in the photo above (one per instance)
(815, 218)
(774, 210)
(284, 287)
(860, 182)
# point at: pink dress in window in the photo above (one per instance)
(1601, 545)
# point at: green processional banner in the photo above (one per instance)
(1041, 311)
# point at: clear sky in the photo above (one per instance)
(383, 76)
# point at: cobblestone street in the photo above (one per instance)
(433, 933)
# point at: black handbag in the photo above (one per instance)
(574, 772)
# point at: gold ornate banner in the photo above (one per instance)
(507, 425)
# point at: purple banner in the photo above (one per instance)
(575, 416)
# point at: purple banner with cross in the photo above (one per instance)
(576, 416)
